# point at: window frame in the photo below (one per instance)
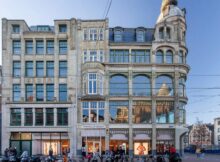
(16, 47)
(63, 47)
(64, 117)
(39, 47)
(16, 69)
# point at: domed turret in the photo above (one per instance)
(169, 8)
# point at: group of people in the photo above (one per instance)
(10, 151)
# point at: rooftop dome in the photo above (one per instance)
(169, 9)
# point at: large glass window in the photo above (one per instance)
(50, 69)
(62, 116)
(141, 86)
(182, 112)
(165, 112)
(16, 28)
(63, 68)
(40, 47)
(93, 56)
(118, 111)
(119, 56)
(93, 34)
(118, 36)
(49, 116)
(182, 91)
(92, 82)
(16, 47)
(159, 57)
(28, 117)
(16, 92)
(93, 111)
(118, 85)
(39, 92)
(15, 117)
(16, 68)
(63, 47)
(29, 92)
(39, 117)
(140, 37)
(164, 86)
(169, 57)
(29, 69)
(142, 112)
(140, 56)
(63, 92)
(50, 46)
(29, 47)
(39, 68)
(50, 92)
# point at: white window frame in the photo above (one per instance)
(93, 81)
(93, 36)
(140, 34)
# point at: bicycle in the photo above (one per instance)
(151, 158)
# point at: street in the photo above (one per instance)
(207, 158)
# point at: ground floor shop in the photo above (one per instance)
(40, 143)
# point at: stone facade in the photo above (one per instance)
(217, 131)
(125, 86)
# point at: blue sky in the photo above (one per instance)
(203, 36)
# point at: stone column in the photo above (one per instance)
(176, 102)
(22, 117)
(107, 125)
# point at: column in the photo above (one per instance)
(55, 116)
(176, 94)
(107, 137)
(22, 117)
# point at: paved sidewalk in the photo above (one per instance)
(207, 158)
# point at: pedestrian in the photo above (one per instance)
(198, 152)
(203, 153)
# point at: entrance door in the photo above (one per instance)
(97, 147)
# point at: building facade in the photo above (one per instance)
(217, 131)
(80, 84)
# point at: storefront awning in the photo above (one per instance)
(92, 133)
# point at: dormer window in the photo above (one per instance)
(140, 36)
(16, 28)
(62, 28)
(118, 36)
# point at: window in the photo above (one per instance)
(93, 56)
(62, 28)
(92, 82)
(140, 36)
(16, 28)
(49, 116)
(164, 86)
(182, 87)
(29, 92)
(85, 34)
(63, 69)
(93, 112)
(39, 117)
(118, 36)
(15, 117)
(39, 68)
(218, 137)
(119, 56)
(84, 56)
(169, 57)
(62, 116)
(16, 68)
(101, 34)
(50, 69)
(218, 122)
(165, 112)
(161, 33)
(168, 34)
(39, 92)
(16, 92)
(101, 56)
(118, 112)
(28, 117)
(159, 57)
(29, 69)
(181, 57)
(141, 86)
(50, 47)
(118, 85)
(29, 47)
(218, 129)
(50, 92)
(182, 113)
(140, 56)
(63, 47)
(16, 45)
(93, 34)
(39, 47)
(62, 92)
(141, 112)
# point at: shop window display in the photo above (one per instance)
(141, 112)
(165, 112)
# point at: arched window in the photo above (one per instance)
(169, 57)
(181, 57)
(182, 87)
(159, 57)
(164, 86)
(168, 34)
(118, 85)
(161, 33)
(141, 86)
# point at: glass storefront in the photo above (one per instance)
(118, 111)
(141, 112)
(165, 112)
(94, 144)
